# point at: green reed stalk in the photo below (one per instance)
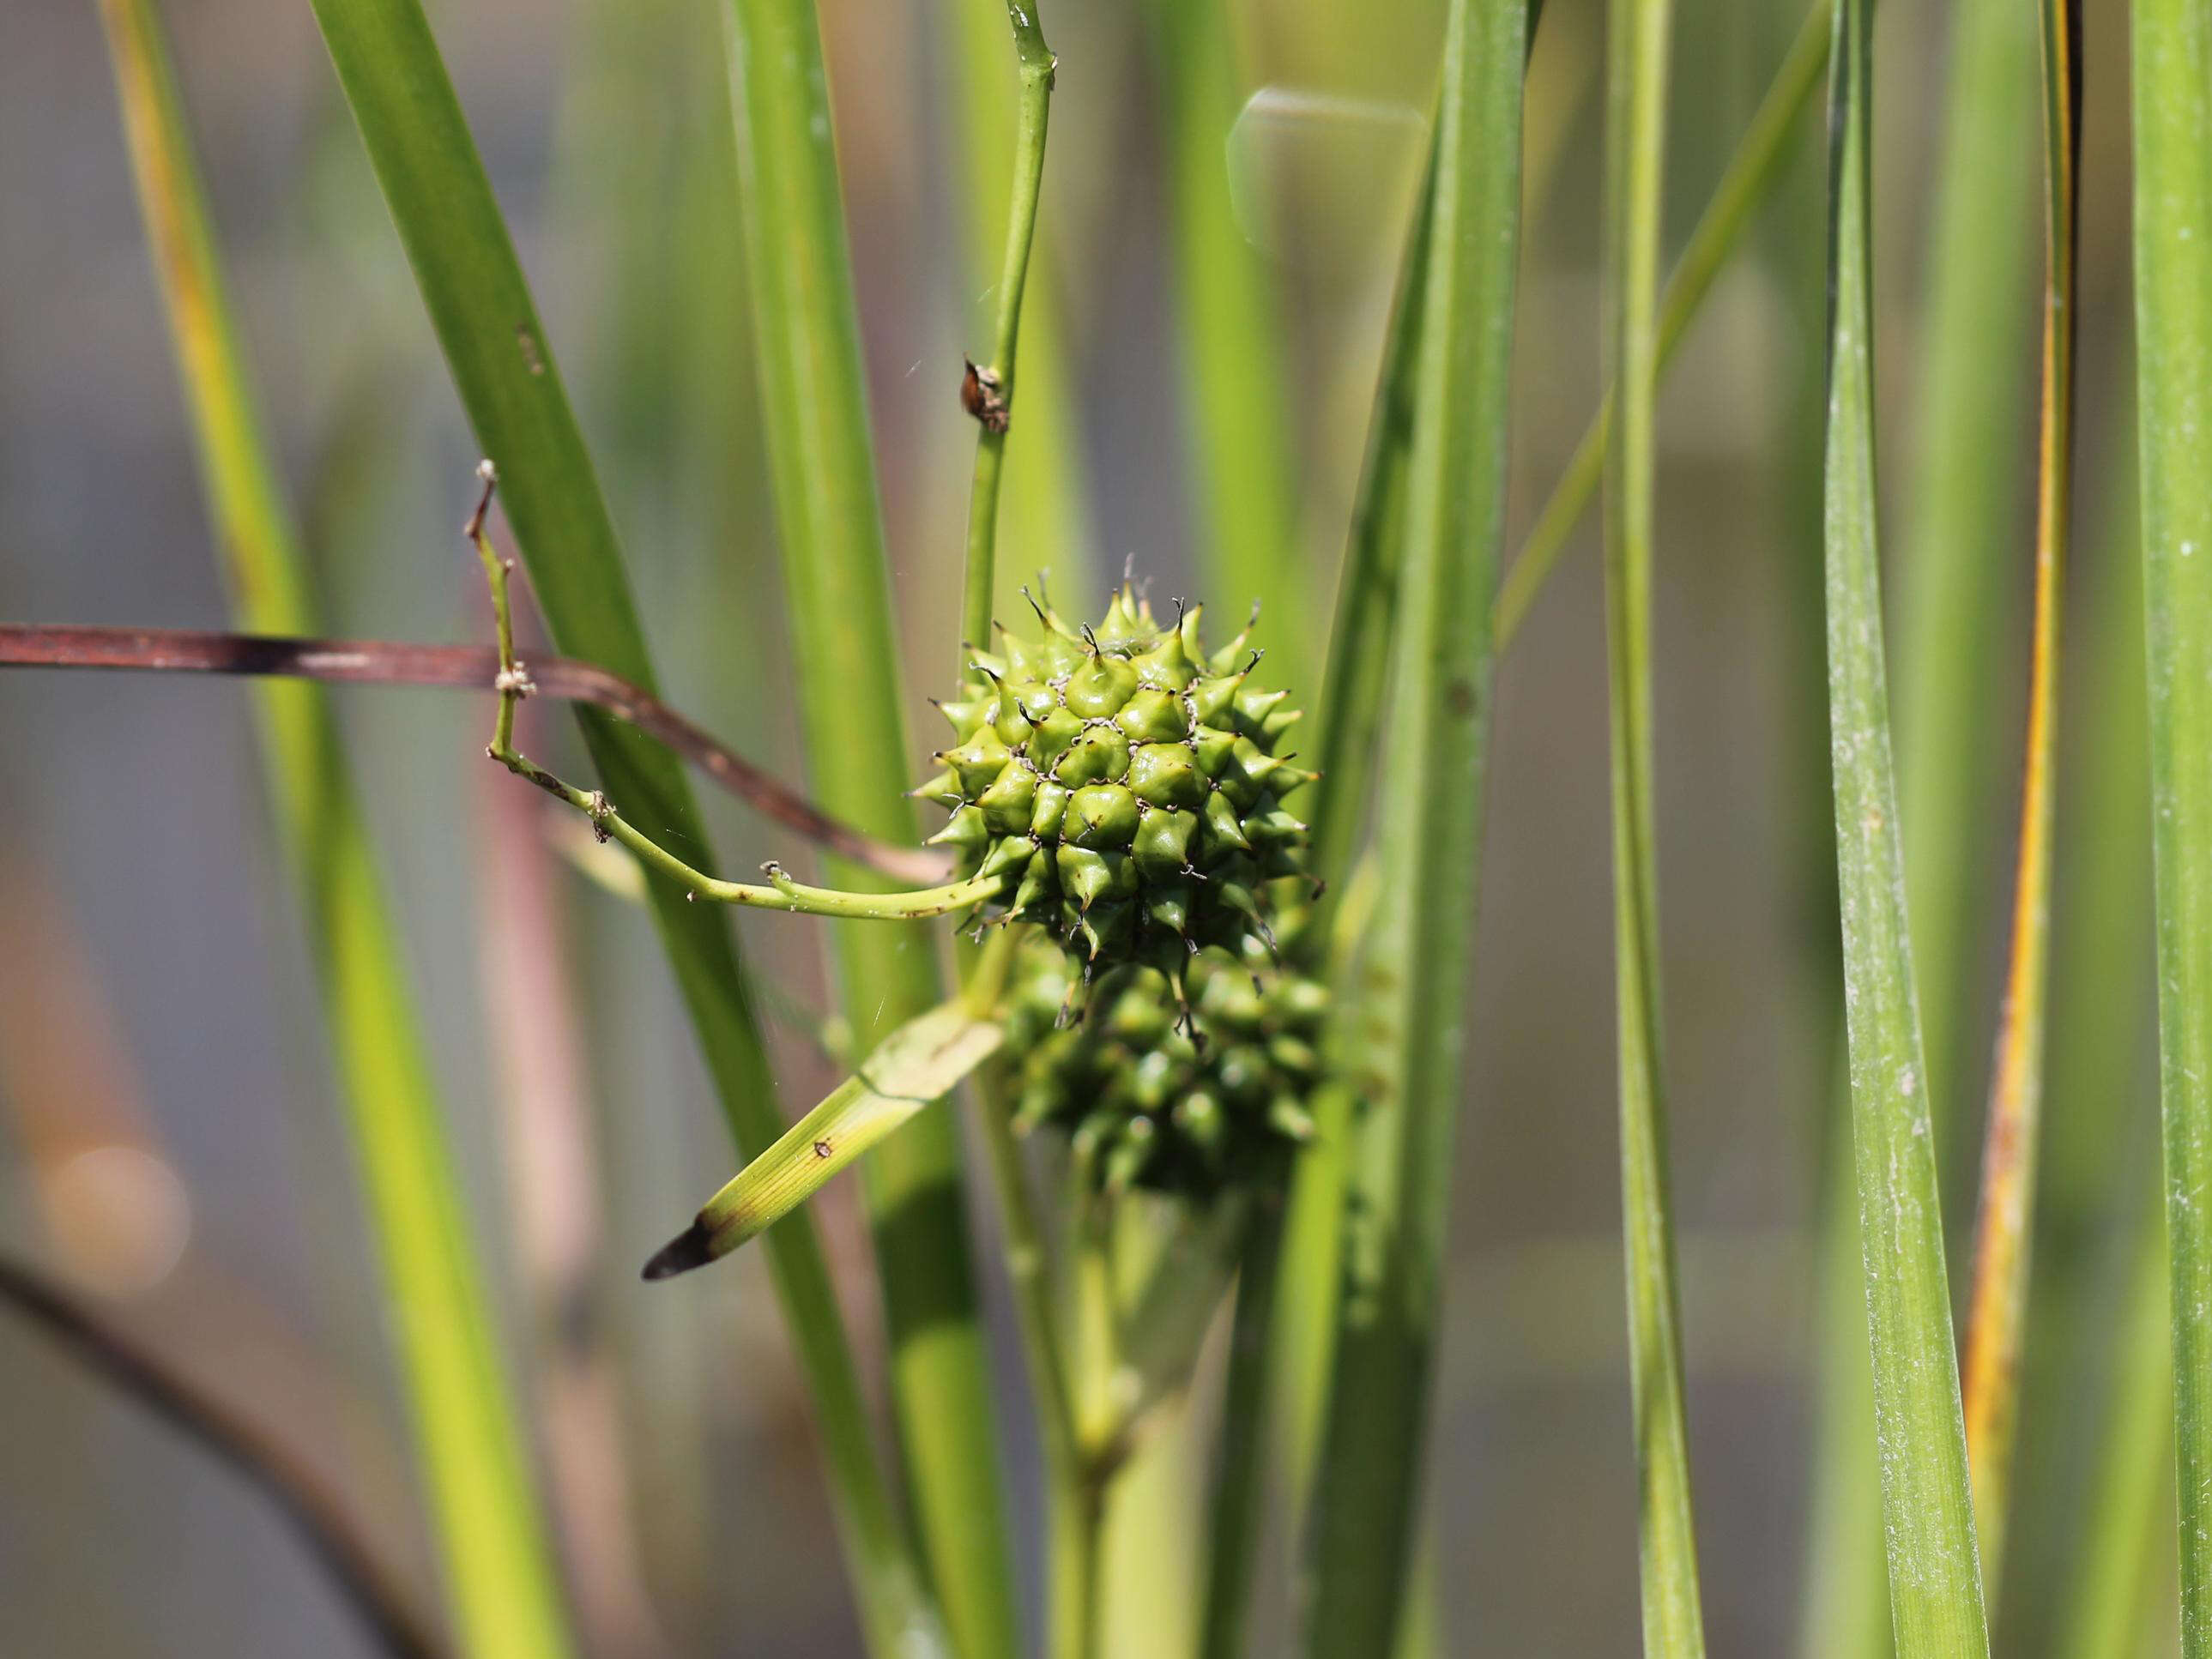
(837, 587)
(1242, 440)
(1407, 995)
(1636, 133)
(1935, 1574)
(470, 1444)
(1751, 174)
(2087, 1570)
(503, 368)
(2171, 57)
(1963, 532)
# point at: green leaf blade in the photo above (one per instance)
(837, 591)
(1408, 989)
(2171, 57)
(1935, 1570)
(479, 304)
(496, 1556)
(915, 1066)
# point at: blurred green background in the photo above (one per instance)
(170, 1141)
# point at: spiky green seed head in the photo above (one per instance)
(1189, 1096)
(1128, 785)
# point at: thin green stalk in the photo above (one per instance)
(1935, 1574)
(995, 386)
(1043, 511)
(2087, 1573)
(1406, 999)
(1078, 1502)
(503, 368)
(1636, 133)
(1242, 442)
(2171, 57)
(1998, 1309)
(2118, 1537)
(1751, 173)
(1234, 1518)
(837, 590)
(469, 1444)
(1963, 530)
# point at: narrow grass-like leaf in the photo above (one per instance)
(2119, 1534)
(502, 365)
(2111, 1534)
(1295, 1384)
(915, 1065)
(1934, 1574)
(1963, 532)
(1751, 173)
(1999, 1298)
(2172, 60)
(1229, 344)
(837, 589)
(1636, 131)
(1409, 990)
(470, 1445)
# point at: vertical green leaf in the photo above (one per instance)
(2172, 56)
(836, 583)
(1934, 1574)
(470, 1445)
(1409, 988)
(1636, 130)
(503, 368)
(1963, 529)
(1229, 343)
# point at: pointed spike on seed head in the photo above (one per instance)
(1221, 821)
(1188, 630)
(1224, 658)
(1212, 697)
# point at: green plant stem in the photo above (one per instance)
(837, 593)
(1043, 509)
(503, 368)
(2171, 54)
(1228, 353)
(1234, 1516)
(782, 894)
(1934, 1576)
(2117, 1538)
(1999, 1305)
(1963, 530)
(1404, 998)
(1751, 173)
(469, 1444)
(1636, 121)
(1033, 116)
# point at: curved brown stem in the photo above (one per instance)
(316, 1514)
(475, 668)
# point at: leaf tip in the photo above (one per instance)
(692, 1247)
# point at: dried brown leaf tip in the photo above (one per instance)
(983, 395)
